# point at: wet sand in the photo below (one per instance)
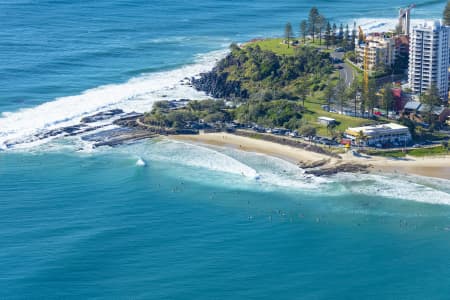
(438, 167)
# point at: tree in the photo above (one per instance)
(446, 17)
(371, 98)
(321, 25)
(313, 19)
(303, 90)
(341, 34)
(408, 123)
(387, 98)
(288, 32)
(361, 137)
(308, 131)
(353, 92)
(328, 35)
(346, 37)
(352, 42)
(430, 99)
(304, 29)
(341, 94)
(329, 92)
(445, 145)
(333, 34)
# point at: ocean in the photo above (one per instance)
(196, 222)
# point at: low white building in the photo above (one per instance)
(392, 134)
(326, 121)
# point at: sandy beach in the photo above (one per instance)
(438, 167)
(289, 153)
(432, 166)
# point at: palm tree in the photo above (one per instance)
(361, 137)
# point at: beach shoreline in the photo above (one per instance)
(437, 167)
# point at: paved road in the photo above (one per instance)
(347, 71)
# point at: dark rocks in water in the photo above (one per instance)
(217, 85)
(58, 132)
(104, 115)
(66, 131)
(128, 120)
(339, 168)
(118, 136)
(313, 164)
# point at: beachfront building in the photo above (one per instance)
(429, 58)
(379, 135)
(381, 51)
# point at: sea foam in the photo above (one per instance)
(370, 25)
(138, 94)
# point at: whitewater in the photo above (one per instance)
(162, 219)
(136, 95)
(20, 130)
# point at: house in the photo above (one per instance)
(415, 111)
(379, 135)
(439, 112)
(411, 107)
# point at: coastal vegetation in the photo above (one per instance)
(288, 84)
(253, 73)
(279, 113)
(163, 115)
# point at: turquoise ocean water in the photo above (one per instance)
(194, 223)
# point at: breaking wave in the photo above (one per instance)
(138, 94)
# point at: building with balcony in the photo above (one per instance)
(385, 134)
(381, 51)
(429, 58)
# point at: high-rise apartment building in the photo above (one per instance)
(429, 58)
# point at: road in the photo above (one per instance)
(346, 71)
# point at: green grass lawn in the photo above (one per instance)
(276, 45)
(314, 110)
(419, 152)
(314, 102)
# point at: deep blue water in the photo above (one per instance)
(193, 223)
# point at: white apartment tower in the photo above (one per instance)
(429, 58)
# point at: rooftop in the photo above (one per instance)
(326, 119)
(376, 128)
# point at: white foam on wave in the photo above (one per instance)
(141, 163)
(370, 25)
(191, 155)
(411, 188)
(138, 94)
(276, 172)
